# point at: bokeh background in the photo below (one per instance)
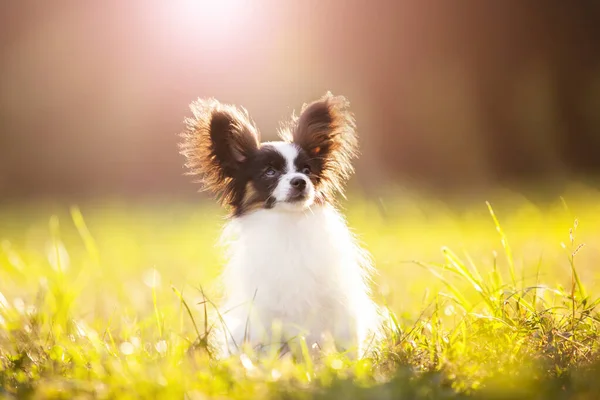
(457, 102)
(451, 97)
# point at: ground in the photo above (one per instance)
(106, 299)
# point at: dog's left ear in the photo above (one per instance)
(326, 130)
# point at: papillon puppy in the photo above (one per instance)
(294, 269)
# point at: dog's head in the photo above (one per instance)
(309, 165)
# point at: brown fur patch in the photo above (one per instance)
(251, 199)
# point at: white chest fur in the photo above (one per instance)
(301, 269)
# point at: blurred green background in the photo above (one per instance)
(104, 242)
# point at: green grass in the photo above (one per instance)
(108, 301)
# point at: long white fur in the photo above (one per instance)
(298, 266)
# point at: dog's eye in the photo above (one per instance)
(270, 172)
(306, 170)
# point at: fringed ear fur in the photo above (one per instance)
(326, 130)
(217, 140)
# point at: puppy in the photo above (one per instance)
(294, 268)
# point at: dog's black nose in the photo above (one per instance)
(298, 183)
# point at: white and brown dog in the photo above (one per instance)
(292, 261)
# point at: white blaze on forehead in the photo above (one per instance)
(288, 151)
(282, 190)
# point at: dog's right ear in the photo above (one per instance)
(217, 140)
